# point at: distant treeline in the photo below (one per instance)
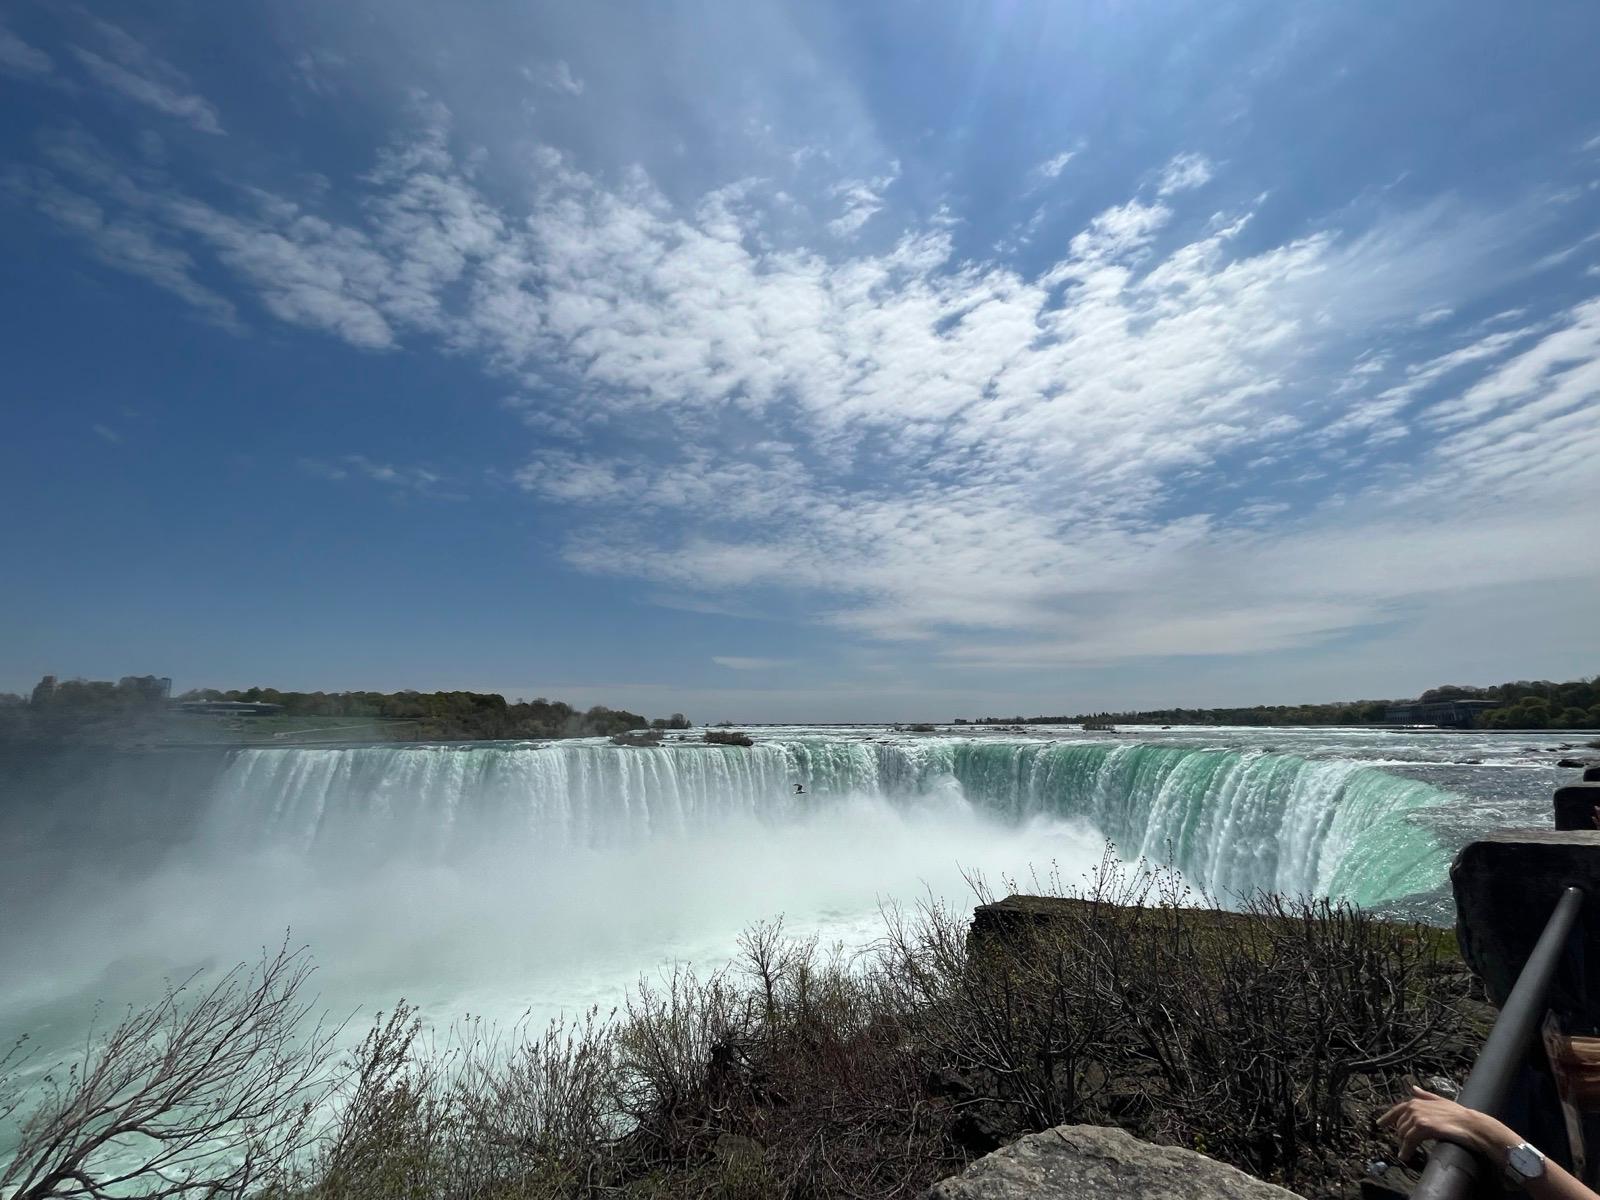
(140, 703)
(1525, 704)
(454, 715)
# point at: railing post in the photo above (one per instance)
(1452, 1170)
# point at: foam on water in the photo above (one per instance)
(1233, 821)
(502, 878)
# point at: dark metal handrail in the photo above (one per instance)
(1453, 1170)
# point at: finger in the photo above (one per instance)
(1402, 1134)
(1425, 1094)
(1393, 1114)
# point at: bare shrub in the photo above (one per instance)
(485, 1114)
(1242, 1033)
(678, 1051)
(791, 1074)
(388, 1138)
(1261, 1036)
(540, 1106)
(210, 1095)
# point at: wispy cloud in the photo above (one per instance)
(126, 241)
(318, 68)
(556, 77)
(1420, 377)
(737, 663)
(106, 433)
(863, 199)
(1010, 466)
(17, 57)
(133, 71)
(1185, 172)
(1050, 168)
(413, 479)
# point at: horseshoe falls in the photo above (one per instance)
(499, 878)
(1232, 821)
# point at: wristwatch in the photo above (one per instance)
(1524, 1163)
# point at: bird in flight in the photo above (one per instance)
(799, 789)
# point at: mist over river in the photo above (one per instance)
(495, 878)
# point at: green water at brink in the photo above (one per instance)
(494, 877)
(1234, 821)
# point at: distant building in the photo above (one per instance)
(44, 690)
(1454, 714)
(229, 708)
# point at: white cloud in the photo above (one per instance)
(737, 663)
(318, 70)
(1185, 172)
(1009, 468)
(419, 480)
(1115, 233)
(127, 242)
(106, 433)
(1557, 257)
(1424, 375)
(306, 272)
(863, 199)
(556, 77)
(1051, 168)
(141, 76)
(1560, 370)
(17, 57)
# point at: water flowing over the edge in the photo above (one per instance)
(1232, 821)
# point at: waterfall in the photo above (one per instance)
(1232, 821)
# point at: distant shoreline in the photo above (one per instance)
(1583, 736)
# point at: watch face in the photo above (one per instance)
(1526, 1161)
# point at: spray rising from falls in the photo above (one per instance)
(1232, 821)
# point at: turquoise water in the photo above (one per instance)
(1233, 821)
(504, 878)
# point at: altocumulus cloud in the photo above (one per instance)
(1009, 466)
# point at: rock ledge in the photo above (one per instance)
(1085, 1162)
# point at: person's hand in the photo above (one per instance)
(1427, 1117)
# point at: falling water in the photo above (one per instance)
(1233, 821)
(498, 878)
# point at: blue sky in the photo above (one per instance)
(813, 361)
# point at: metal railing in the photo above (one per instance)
(1453, 1172)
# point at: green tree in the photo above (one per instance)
(1531, 712)
(1570, 718)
